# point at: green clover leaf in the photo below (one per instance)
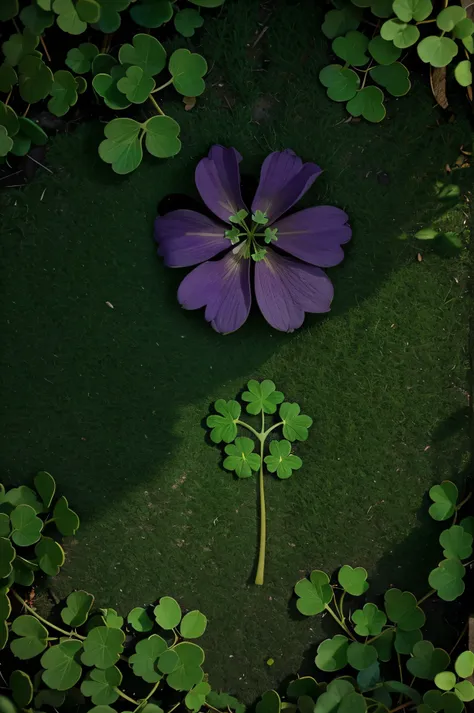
(224, 426)
(23, 494)
(187, 21)
(196, 697)
(369, 621)
(188, 672)
(112, 619)
(398, 687)
(463, 73)
(81, 85)
(262, 397)
(449, 17)
(313, 593)
(295, 425)
(444, 498)
(239, 216)
(88, 10)
(464, 664)
(4, 518)
(433, 699)
(66, 519)
(407, 10)
(77, 610)
(61, 668)
(122, 147)
(402, 609)
(437, 51)
(188, 70)
(463, 30)
(353, 581)
(427, 661)
(63, 93)
(21, 688)
(28, 132)
(336, 692)
(383, 51)
(80, 59)
(35, 79)
(445, 680)
(136, 85)
(68, 18)
(110, 10)
(405, 640)
(26, 526)
(384, 645)
(19, 46)
(395, 78)
(44, 482)
(8, 10)
(145, 658)
(8, 77)
(332, 653)
(260, 217)
(101, 685)
(103, 63)
(271, 235)
(400, 33)
(240, 457)
(338, 22)
(161, 136)
(7, 555)
(152, 13)
(281, 461)
(193, 625)
(457, 543)
(6, 143)
(106, 85)
(23, 572)
(361, 656)
(139, 620)
(368, 102)
(304, 686)
(368, 678)
(103, 647)
(50, 556)
(146, 53)
(447, 579)
(33, 637)
(36, 19)
(167, 613)
(352, 48)
(270, 702)
(168, 661)
(464, 690)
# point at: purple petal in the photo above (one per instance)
(223, 287)
(286, 289)
(218, 181)
(315, 235)
(187, 238)
(283, 180)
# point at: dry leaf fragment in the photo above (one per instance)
(419, 257)
(189, 103)
(438, 85)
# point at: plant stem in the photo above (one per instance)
(424, 22)
(341, 623)
(341, 607)
(463, 502)
(272, 428)
(175, 706)
(374, 638)
(8, 97)
(263, 515)
(400, 670)
(43, 43)
(158, 109)
(45, 621)
(26, 110)
(463, 633)
(248, 427)
(127, 698)
(166, 84)
(402, 707)
(427, 596)
(153, 689)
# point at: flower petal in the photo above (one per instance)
(218, 181)
(286, 289)
(186, 238)
(223, 286)
(283, 180)
(315, 235)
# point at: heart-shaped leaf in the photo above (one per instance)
(33, 637)
(383, 51)
(447, 579)
(464, 664)
(457, 543)
(338, 22)
(146, 53)
(161, 136)
(398, 687)
(437, 51)
(368, 678)
(407, 10)
(167, 613)
(368, 102)
(463, 73)
(188, 70)
(68, 18)
(270, 702)
(61, 668)
(384, 645)
(196, 697)
(449, 17)
(427, 661)
(464, 691)
(224, 425)
(332, 653)
(110, 14)
(405, 640)
(19, 46)
(50, 556)
(314, 593)
(304, 686)
(402, 609)
(369, 621)
(101, 686)
(168, 661)
(281, 461)
(444, 496)
(295, 425)
(4, 518)
(66, 519)
(139, 620)
(77, 610)
(136, 85)
(26, 526)
(189, 672)
(88, 10)
(145, 658)
(21, 688)
(353, 581)
(44, 482)
(337, 691)
(445, 680)
(102, 64)
(241, 458)
(341, 83)
(352, 48)
(36, 19)
(400, 33)
(8, 77)
(112, 619)
(152, 13)
(262, 396)
(7, 555)
(23, 494)
(361, 656)
(353, 703)
(193, 625)
(81, 85)
(63, 93)
(6, 143)
(187, 21)
(106, 85)
(103, 647)
(8, 10)
(35, 79)
(395, 78)
(80, 59)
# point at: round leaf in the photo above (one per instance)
(427, 661)
(33, 637)
(196, 697)
(161, 136)
(464, 29)
(444, 498)
(463, 73)
(336, 692)
(102, 64)
(188, 70)
(361, 656)
(61, 668)
(88, 10)
(145, 658)
(112, 619)
(110, 10)
(151, 13)
(26, 526)
(407, 10)
(352, 48)
(341, 83)
(21, 688)
(81, 85)
(136, 85)
(8, 10)
(437, 51)
(36, 134)
(4, 518)
(384, 645)
(66, 519)
(281, 461)
(240, 457)
(369, 677)
(50, 556)
(395, 78)
(332, 653)
(167, 613)
(447, 579)
(338, 22)
(44, 482)
(368, 102)
(19, 46)
(103, 647)
(146, 53)
(457, 543)
(6, 144)
(369, 621)
(63, 93)
(353, 581)
(193, 625)
(314, 593)
(445, 680)
(80, 59)
(402, 609)
(295, 425)
(400, 33)
(464, 690)
(188, 673)
(353, 703)
(106, 86)
(7, 555)
(68, 18)
(77, 610)
(383, 51)
(406, 640)
(168, 661)
(101, 684)
(464, 665)
(36, 19)
(35, 79)
(8, 77)
(187, 21)
(139, 620)
(449, 17)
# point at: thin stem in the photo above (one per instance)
(263, 515)
(45, 621)
(341, 623)
(174, 707)
(272, 428)
(166, 84)
(8, 97)
(402, 707)
(463, 633)
(47, 522)
(463, 502)
(26, 110)
(153, 690)
(48, 56)
(400, 670)
(366, 75)
(427, 596)
(127, 698)
(374, 638)
(424, 22)
(341, 606)
(250, 428)
(158, 109)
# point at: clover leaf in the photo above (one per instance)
(80, 59)
(167, 613)
(407, 10)
(402, 609)
(240, 457)
(36, 19)
(187, 21)
(109, 20)
(196, 697)
(168, 661)
(187, 70)
(383, 51)
(4, 518)
(303, 686)
(262, 397)
(19, 46)
(146, 53)
(281, 461)
(447, 579)
(464, 664)
(8, 77)
(44, 482)
(332, 653)
(446, 680)
(188, 672)
(136, 85)
(6, 143)
(361, 656)
(444, 496)
(152, 13)
(68, 18)
(21, 688)
(8, 10)
(224, 426)
(368, 678)
(437, 51)
(61, 668)
(63, 93)
(77, 610)
(161, 136)
(463, 73)
(463, 30)
(313, 593)
(368, 102)
(352, 48)
(50, 556)
(101, 685)
(337, 691)
(35, 79)
(369, 621)
(122, 147)
(7, 555)
(112, 619)
(81, 85)
(353, 581)
(395, 78)
(427, 661)
(406, 640)
(384, 645)
(457, 543)
(295, 425)
(106, 85)
(103, 63)
(449, 17)
(139, 620)
(28, 132)
(66, 519)
(26, 526)
(23, 572)
(103, 647)
(464, 690)
(144, 660)
(33, 637)
(400, 33)
(338, 22)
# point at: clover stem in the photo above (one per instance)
(153, 690)
(460, 637)
(176, 705)
(26, 110)
(341, 609)
(400, 670)
(463, 502)
(247, 426)
(166, 84)
(263, 515)
(43, 44)
(424, 22)
(47, 522)
(374, 638)
(127, 698)
(402, 707)
(158, 109)
(272, 428)
(45, 621)
(341, 623)
(8, 97)
(427, 596)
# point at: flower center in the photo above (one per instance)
(251, 235)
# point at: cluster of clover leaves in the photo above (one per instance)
(440, 29)
(262, 400)
(33, 74)
(375, 640)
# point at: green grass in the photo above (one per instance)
(112, 401)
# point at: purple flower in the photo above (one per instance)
(285, 288)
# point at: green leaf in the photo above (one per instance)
(146, 53)
(452, 704)
(314, 593)
(4, 518)
(449, 17)
(7, 555)
(21, 688)
(47, 697)
(68, 18)
(61, 668)
(445, 680)
(384, 645)
(361, 656)
(463, 73)
(207, 3)
(295, 425)
(369, 621)
(398, 687)
(240, 457)
(187, 21)
(457, 543)
(19, 46)
(26, 526)
(103, 647)
(35, 79)
(383, 51)
(353, 703)
(270, 702)
(44, 4)
(167, 613)
(437, 51)
(33, 637)
(66, 519)
(395, 78)
(353, 581)
(34, 132)
(145, 658)
(407, 10)
(22, 495)
(152, 13)
(406, 640)
(224, 425)
(189, 672)
(262, 397)
(161, 136)
(8, 10)
(400, 33)
(402, 609)
(101, 684)
(427, 661)
(106, 86)
(369, 677)
(110, 14)
(80, 59)
(281, 461)
(261, 218)
(447, 579)
(139, 620)
(36, 19)
(8, 77)
(77, 610)
(188, 70)
(426, 234)
(88, 10)
(332, 653)
(50, 556)
(6, 144)
(464, 690)
(368, 102)
(112, 619)
(136, 85)
(193, 625)
(338, 22)
(102, 64)
(303, 686)
(434, 700)
(196, 697)
(352, 48)
(464, 29)
(81, 85)
(168, 661)
(23, 572)
(63, 93)
(464, 664)
(44, 482)
(341, 83)
(336, 692)
(444, 498)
